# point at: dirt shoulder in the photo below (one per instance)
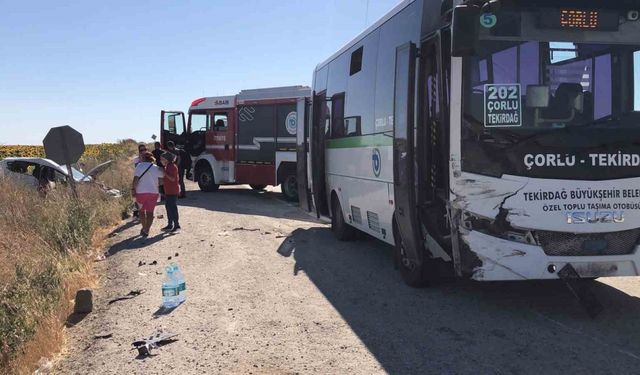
(272, 292)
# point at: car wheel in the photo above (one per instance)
(206, 180)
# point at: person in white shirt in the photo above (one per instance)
(142, 148)
(145, 186)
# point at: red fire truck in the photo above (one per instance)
(249, 138)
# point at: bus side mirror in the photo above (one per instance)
(464, 29)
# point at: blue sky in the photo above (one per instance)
(107, 68)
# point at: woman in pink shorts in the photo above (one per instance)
(146, 182)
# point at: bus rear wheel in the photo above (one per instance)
(290, 188)
(342, 230)
(258, 187)
(206, 180)
(413, 275)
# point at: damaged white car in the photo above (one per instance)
(41, 173)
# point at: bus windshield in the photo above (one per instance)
(532, 97)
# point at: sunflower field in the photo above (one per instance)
(103, 151)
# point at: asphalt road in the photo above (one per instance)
(272, 292)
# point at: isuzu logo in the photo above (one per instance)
(594, 217)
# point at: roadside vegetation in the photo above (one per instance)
(48, 247)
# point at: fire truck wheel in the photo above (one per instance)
(206, 181)
(258, 187)
(290, 188)
(342, 230)
(412, 274)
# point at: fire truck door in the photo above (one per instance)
(172, 128)
(220, 135)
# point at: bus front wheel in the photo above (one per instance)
(342, 230)
(413, 274)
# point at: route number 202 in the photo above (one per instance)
(502, 92)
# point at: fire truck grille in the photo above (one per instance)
(590, 244)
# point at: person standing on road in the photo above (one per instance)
(146, 182)
(171, 191)
(180, 162)
(157, 153)
(183, 170)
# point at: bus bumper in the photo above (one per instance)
(488, 258)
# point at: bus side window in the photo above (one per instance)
(337, 116)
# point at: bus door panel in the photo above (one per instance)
(172, 128)
(404, 152)
(301, 154)
(318, 136)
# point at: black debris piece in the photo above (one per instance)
(130, 295)
(177, 255)
(158, 339)
(141, 263)
(103, 335)
(246, 229)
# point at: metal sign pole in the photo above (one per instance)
(72, 182)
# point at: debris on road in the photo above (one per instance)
(246, 229)
(103, 335)
(158, 339)
(130, 295)
(83, 301)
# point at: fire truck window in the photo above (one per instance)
(219, 121)
(199, 121)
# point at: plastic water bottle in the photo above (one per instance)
(170, 289)
(182, 284)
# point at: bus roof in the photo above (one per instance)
(397, 9)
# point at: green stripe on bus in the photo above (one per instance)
(373, 140)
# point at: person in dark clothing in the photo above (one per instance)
(183, 170)
(172, 190)
(157, 153)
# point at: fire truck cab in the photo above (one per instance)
(248, 138)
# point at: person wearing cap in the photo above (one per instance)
(146, 181)
(171, 191)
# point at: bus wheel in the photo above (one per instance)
(290, 188)
(258, 187)
(412, 274)
(342, 230)
(206, 182)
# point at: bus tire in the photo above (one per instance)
(258, 187)
(289, 188)
(413, 275)
(205, 178)
(339, 227)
